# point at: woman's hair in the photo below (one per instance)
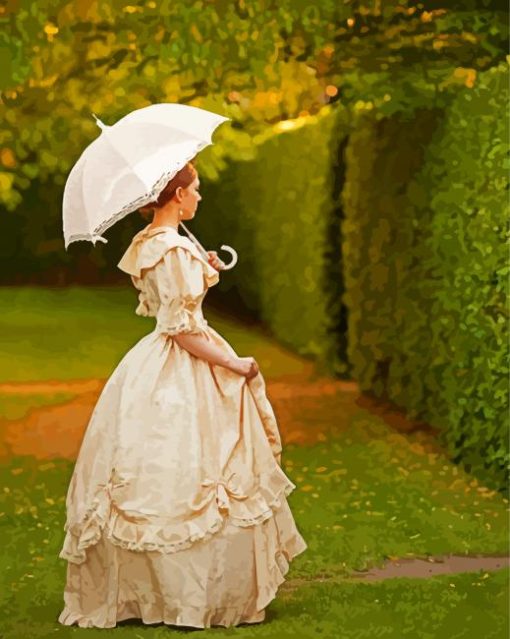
(183, 178)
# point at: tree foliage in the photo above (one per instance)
(257, 62)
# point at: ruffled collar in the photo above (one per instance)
(150, 244)
(147, 232)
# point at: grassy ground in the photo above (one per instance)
(80, 333)
(342, 536)
(365, 492)
(15, 407)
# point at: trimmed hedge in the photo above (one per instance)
(425, 247)
(278, 211)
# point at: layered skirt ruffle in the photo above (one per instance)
(227, 579)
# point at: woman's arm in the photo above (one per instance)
(201, 347)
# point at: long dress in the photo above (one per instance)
(177, 506)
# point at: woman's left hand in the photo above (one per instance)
(214, 260)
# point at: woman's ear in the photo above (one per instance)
(179, 193)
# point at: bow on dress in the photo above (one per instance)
(115, 481)
(224, 489)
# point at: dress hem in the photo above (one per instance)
(186, 617)
(182, 617)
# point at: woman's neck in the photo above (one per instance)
(170, 217)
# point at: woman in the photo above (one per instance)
(177, 509)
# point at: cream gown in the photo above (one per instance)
(176, 508)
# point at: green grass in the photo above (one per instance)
(81, 333)
(443, 607)
(462, 606)
(14, 407)
(364, 494)
(371, 494)
(405, 515)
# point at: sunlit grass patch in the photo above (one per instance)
(83, 332)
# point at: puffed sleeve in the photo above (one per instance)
(180, 282)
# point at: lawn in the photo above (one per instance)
(13, 407)
(344, 533)
(365, 493)
(82, 333)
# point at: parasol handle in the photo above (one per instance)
(233, 261)
(203, 252)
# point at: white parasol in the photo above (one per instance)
(130, 163)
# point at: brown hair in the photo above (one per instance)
(183, 178)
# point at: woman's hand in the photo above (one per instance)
(246, 366)
(214, 260)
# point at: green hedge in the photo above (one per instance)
(278, 211)
(425, 251)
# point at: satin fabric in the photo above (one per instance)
(176, 509)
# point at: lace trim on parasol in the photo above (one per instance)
(160, 184)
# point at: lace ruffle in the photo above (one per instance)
(171, 320)
(80, 536)
(123, 530)
(186, 322)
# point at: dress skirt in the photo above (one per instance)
(177, 507)
(227, 580)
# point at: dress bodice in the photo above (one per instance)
(172, 279)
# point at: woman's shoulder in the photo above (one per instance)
(150, 247)
(178, 247)
(169, 239)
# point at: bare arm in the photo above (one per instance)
(201, 347)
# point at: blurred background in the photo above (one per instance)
(363, 181)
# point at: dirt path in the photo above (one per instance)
(440, 565)
(57, 430)
(72, 386)
(299, 400)
(414, 568)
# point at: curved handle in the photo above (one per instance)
(233, 262)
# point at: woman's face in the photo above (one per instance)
(191, 199)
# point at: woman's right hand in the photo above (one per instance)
(246, 366)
